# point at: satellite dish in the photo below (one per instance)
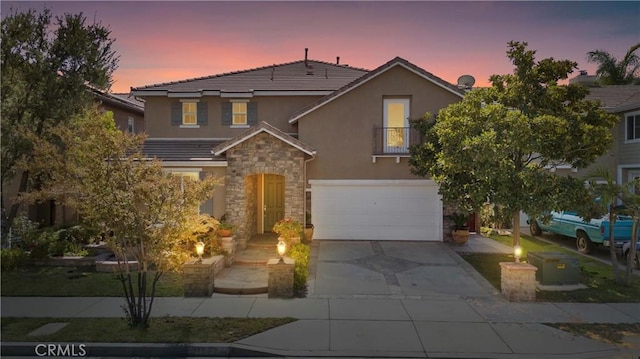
(466, 81)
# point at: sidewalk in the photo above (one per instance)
(474, 328)
(442, 324)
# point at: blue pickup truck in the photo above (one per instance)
(587, 234)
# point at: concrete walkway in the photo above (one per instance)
(381, 299)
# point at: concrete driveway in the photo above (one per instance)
(395, 269)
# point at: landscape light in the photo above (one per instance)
(200, 249)
(282, 247)
(517, 253)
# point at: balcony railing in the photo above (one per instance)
(394, 140)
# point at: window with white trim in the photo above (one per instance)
(632, 124)
(239, 113)
(131, 124)
(189, 113)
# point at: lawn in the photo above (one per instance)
(161, 330)
(76, 282)
(596, 275)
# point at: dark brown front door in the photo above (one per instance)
(273, 200)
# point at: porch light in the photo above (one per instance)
(200, 249)
(282, 247)
(517, 253)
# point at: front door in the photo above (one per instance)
(273, 200)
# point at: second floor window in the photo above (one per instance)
(189, 113)
(131, 125)
(239, 113)
(633, 127)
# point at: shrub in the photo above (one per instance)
(288, 228)
(495, 216)
(300, 253)
(46, 244)
(24, 232)
(12, 258)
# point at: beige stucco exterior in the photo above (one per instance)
(275, 110)
(342, 130)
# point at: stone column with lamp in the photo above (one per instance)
(517, 279)
(281, 274)
(198, 275)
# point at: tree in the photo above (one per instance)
(497, 144)
(606, 194)
(631, 200)
(613, 72)
(46, 66)
(144, 211)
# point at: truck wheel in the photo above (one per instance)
(583, 243)
(534, 228)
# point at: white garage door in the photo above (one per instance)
(376, 210)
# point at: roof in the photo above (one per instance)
(118, 99)
(180, 150)
(616, 98)
(292, 76)
(397, 61)
(263, 127)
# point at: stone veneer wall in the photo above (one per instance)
(447, 224)
(262, 153)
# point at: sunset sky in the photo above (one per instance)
(161, 41)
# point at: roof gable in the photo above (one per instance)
(263, 127)
(398, 61)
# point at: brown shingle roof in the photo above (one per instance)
(292, 76)
(397, 61)
(180, 150)
(118, 100)
(616, 98)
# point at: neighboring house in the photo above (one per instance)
(128, 112)
(305, 136)
(623, 160)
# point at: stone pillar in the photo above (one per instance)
(229, 246)
(198, 277)
(281, 278)
(518, 281)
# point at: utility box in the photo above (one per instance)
(555, 268)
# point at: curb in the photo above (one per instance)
(129, 350)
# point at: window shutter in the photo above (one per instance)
(227, 113)
(176, 114)
(207, 206)
(202, 113)
(252, 113)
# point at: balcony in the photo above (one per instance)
(394, 141)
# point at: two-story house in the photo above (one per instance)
(623, 159)
(305, 136)
(128, 113)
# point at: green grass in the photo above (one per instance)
(161, 330)
(624, 334)
(84, 282)
(597, 276)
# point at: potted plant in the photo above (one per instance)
(225, 229)
(289, 230)
(460, 232)
(308, 228)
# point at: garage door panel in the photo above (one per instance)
(377, 210)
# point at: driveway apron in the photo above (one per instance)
(400, 269)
